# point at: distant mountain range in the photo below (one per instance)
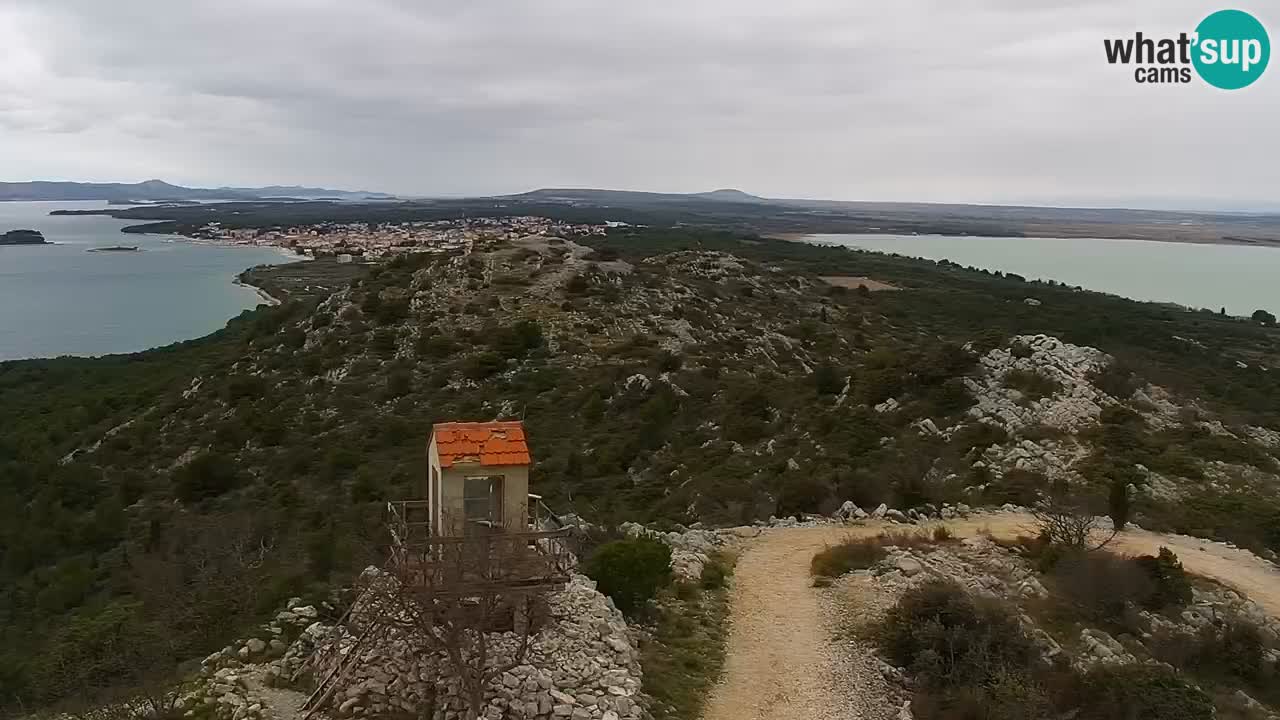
(631, 197)
(160, 191)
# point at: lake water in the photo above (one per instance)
(1238, 277)
(61, 300)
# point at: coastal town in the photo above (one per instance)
(369, 241)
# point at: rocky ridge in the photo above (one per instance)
(1046, 435)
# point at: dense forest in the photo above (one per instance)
(151, 505)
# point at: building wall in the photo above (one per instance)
(433, 464)
(515, 501)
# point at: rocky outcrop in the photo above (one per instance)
(1076, 404)
(1099, 648)
(691, 549)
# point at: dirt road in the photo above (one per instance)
(777, 664)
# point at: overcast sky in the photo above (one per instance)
(1002, 101)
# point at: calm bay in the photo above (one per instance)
(1238, 277)
(60, 299)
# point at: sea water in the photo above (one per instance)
(60, 299)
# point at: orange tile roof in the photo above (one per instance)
(486, 443)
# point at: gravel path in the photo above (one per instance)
(782, 662)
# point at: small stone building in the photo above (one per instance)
(478, 478)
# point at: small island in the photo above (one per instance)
(116, 248)
(23, 237)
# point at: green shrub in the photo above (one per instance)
(518, 340)
(1018, 486)
(800, 494)
(1032, 384)
(978, 436)
(399, 382)
(1116, 380)
(245, 387)
(483, 365)
(1098, 586)
(631, 571)
(1236, 648)
(715, 574)
(827, 380)
(950, 639)
(1008, 696)
(949, 397)
(1141, 692)
(208, 475)
(1230, 652)
(685, 655)
(434, 345)
(852, 554)
(1170, 584)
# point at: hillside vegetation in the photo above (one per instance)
(151, 505)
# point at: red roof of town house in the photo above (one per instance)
(486, 443)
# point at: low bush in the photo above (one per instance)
(631, 571)
(851, 554)
(950, 639)
(715, 574)
(1141, 692)
(1017, 486)
(1229, 653)
(1032, 384)
(978, 436)
(684, 655)
(1169, 580)
(1117, 380)
(208, 475)
(1100, 586)
(1010, 696)
(483, 365)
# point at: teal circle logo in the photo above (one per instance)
(1232, 49)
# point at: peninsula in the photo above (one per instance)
(23, 237)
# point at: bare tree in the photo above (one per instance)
(1066, 520)
(475, 601)
(463, 630)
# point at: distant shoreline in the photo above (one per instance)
(810, 238)
(267, 297)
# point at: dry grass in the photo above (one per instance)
(853, 283)
(860, 553)
(846, 556)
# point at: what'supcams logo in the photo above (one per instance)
(1228, 50)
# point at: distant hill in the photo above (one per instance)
(731, 195)
(153, 190)
(595, 196)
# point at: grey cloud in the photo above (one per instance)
(944, 100)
